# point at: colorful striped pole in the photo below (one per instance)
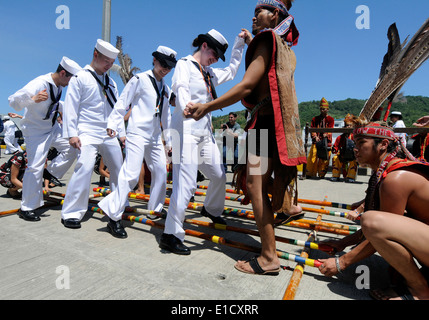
(13, 211)
(248, 214)
(331, 225)
(327, 212)
(326, 204)
(298, 272)
(301, 243)
(221, 240)
(306, 201)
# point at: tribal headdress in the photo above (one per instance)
(324, 104)
(349, 120)
(376, 130)
(286, 28)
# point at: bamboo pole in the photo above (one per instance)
(223, 241)
(297, 274)
(13, 211)
(248, 214)
(306, 201)
(299, 269)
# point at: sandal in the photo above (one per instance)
(285, 218)
(254, 264)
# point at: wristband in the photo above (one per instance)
(337, 264)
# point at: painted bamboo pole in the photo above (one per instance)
(13, 211)
(331, 225)
(248, 214)
(221, 240)
(299, 269)
(327, 212)
(301, 243)
(306, 201)
(298, 272)
(7, 212)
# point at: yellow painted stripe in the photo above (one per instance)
(215, 239)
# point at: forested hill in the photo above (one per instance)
(412, 108)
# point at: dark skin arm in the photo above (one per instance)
(391, 188)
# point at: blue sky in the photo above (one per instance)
(336, 60)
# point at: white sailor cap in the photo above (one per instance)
(106, 49)
(70, 66)
(216, 41)
(6, 118)
(396, 113)
(166, 55)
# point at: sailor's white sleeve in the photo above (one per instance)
(181, 84)
(23, 97)
(71, 109)
(116, 117)
(222, 75)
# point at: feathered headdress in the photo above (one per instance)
(399, 63)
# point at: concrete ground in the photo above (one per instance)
(46, 261)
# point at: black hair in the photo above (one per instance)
(61, 68)
(391, 147)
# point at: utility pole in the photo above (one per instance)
(107, 9)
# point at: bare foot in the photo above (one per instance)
(140, 191)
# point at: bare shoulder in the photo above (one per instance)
(405, 179)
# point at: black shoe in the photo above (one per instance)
(116, 229)
(218, 220)
(173, 244)
(72, 223)
(28, 215)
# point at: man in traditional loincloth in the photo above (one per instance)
(268, 91)
(398, 230)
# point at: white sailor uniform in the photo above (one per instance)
(10, 140)
(194, 147)
(143, 141)
(59, 166)
(40, 130)
(85, 116)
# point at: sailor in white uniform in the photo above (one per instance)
(195, 148)
(10, 140)
(396, 118)
(149, 96)
(90, 99)
(40, 99)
